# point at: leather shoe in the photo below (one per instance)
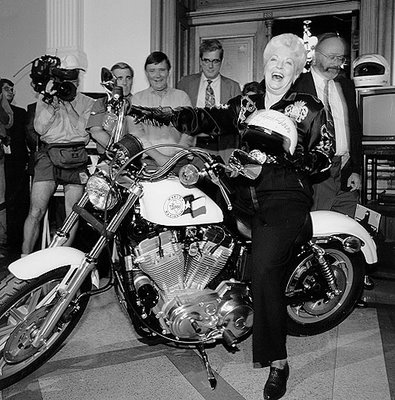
(368, 283)
(276, 384)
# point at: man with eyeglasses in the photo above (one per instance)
(209, 88)
(339, 189)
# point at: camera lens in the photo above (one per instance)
(66, 91)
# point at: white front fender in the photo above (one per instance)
(327, 223)
(43, 261)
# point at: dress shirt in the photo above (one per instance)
(161, 134)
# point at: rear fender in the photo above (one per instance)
(330, 223)
(43, 261)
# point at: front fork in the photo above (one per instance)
(325, 269)
(73, 280)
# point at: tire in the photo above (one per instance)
(19, 312)
(320, 313)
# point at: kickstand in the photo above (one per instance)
(210, 376)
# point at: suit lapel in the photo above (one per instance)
(195, 89)
(224, 91)
(305, 84)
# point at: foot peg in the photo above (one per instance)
(368, 283)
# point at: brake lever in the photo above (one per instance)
(214, 178)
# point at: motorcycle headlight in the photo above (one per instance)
(100, 193)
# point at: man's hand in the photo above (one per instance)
(354, 182)
(50, 95)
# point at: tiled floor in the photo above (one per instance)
(104, 359)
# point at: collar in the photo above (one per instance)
(162, 93)
(318, 79)
(216, 79)
(290, 95)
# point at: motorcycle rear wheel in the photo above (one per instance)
(24, 305)
(320, 314)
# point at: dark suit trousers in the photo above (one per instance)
(276, 225)
(330, 194)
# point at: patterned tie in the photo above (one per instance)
(329, 115)
(210, 98)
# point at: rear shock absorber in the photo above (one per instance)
(326, 269)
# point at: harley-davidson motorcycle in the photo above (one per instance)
(179, 256)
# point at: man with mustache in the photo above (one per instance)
(339, 188)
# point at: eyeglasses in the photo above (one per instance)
(333, 57)
(207, 61)
(8, 89)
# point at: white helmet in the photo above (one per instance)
(275, 123)
(371, 70)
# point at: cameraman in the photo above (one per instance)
(60, 120)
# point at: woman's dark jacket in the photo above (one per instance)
(315, 147)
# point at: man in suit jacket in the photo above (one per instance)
(6, 122)
(16, 177)
(339, 189)
(221, 89)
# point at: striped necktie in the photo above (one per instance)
(210, 97)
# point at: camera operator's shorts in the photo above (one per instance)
(44, 170)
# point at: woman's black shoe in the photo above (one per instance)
(276, 384)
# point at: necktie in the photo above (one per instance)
(210, 97)
(329, 115)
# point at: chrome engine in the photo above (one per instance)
(180, 270)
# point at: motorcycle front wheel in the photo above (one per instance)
(310, 309)
(24, 306)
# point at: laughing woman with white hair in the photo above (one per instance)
(279, 200)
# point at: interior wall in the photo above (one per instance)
(116, 31)
(113, 31)
(22, 39)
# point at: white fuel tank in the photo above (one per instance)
(170, 203)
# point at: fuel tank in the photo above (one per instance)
(170, 203)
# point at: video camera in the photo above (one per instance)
(47, 67)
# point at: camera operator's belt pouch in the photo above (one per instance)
(68, 155)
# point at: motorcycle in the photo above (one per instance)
(178, 256)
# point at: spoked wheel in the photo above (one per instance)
(315, 310)
(24, 306)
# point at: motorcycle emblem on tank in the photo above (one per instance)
(174, 206)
